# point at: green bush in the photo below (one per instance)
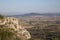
(6, 33)
(1, 17)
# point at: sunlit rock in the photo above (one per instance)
(14, 23)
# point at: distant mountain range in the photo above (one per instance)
(36, 14)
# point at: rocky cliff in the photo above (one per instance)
(14, 23)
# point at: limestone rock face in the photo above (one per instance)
(14, 23)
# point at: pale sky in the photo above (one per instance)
(27, 6)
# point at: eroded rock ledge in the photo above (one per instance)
(14, 23)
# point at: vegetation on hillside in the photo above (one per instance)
(8, 34)
(1, 17)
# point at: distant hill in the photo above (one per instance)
(36, 14)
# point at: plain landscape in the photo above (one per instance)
(41, 26)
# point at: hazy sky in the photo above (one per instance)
(26, 6)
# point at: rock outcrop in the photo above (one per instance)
(14, 23)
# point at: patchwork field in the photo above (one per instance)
(42, 27)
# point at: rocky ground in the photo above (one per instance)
(13, 25)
